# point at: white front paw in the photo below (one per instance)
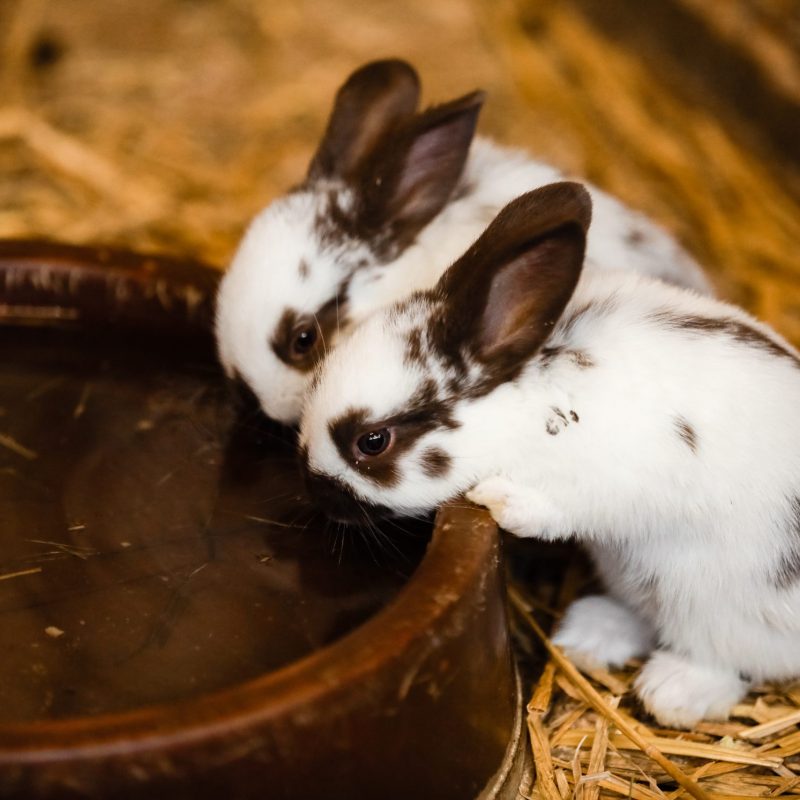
(597, 631)
(521, 510)
(679, 692)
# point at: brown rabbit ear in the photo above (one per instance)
(412, 174)
(503, 297)
(373, 100)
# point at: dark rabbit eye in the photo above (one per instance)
(303, 339)
(375, 442)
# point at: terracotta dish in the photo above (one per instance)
(176, 620)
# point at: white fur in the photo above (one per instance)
(264, 280)
(680, 692)
(598, 631)
(688, 539)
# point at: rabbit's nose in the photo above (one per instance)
(336, 500)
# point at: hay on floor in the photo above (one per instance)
(590, 739)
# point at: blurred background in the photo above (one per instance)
(165, 124)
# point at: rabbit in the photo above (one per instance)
(654, 425)
(392, 195)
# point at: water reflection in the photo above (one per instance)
(154, 543)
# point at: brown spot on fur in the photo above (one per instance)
(552, 427)
(336, 227)
(555, 424)
(414, 353)
(302, 268)
(580, 358)
(427, 405)
(426, 412)
(635, 237)
(732, 328)
(686, 432)
(547, 355)
(788, 572)
(435, 462)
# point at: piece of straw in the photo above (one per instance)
(680, 747)
(15, 447)
(540, 746)
(597, 756)
(20, 573)
(770, 728)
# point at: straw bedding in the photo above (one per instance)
(165, 124)
(590, 737)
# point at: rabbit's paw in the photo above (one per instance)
(679, 692)
(597, 631)
(523, 511)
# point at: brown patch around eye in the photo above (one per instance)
(435, 462)
(346, 431)
(285, 345)
(323, 325)
(426, 412)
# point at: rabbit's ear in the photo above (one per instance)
(373, 100)
(410, 177)
(503, 297)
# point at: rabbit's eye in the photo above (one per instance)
(303, 339)
(375, 442)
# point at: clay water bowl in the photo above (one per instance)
(176, 621)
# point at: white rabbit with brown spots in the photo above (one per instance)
(391, 197)
(654, 425)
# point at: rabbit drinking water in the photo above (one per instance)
(656, 426)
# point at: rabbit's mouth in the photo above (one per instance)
(334, 498)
